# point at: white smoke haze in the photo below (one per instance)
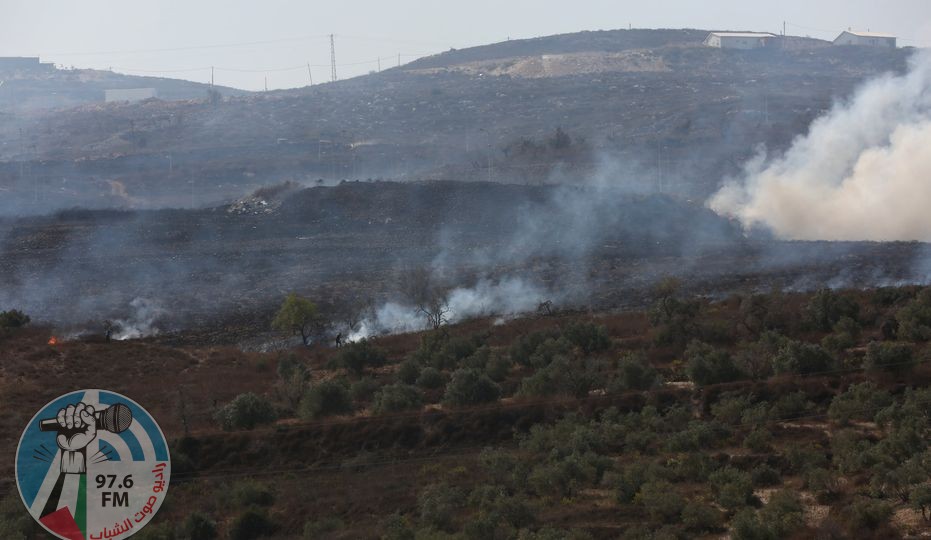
(862, 172)
(143, 322)
(507, 297)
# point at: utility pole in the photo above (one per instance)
(379, 64)
(310, 74)
(22, 155)
(35, 180)
(333, 57)
(399, 59)
(211, 75)
(659, 165)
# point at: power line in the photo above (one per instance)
(189, 48)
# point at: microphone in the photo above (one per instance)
(116, 419)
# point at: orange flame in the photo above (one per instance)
(53, 340)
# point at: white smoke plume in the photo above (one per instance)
(143, 322)
(506, 297)
(862, 172)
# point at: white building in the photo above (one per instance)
(868, 39)
(129, 94)
(738, 40)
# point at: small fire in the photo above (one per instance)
(53, 340)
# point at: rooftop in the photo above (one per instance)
(869, 34)
(743, 34)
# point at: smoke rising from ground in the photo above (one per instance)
(863, 171)
(506, 297)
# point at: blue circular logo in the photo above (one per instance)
(92, 465)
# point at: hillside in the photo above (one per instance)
(758, 416)
(647, 109)
(33, 88)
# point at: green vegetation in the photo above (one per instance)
(470, 387)
(699, 419)
(397, 397)
(246, 411)
(326, 398)
(297, 315)
(13, 319)
(357, 357)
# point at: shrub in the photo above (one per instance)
(632, 477)
(915, 318)
(408, 371)
(558, 378)
(197, 526)
(822, 482)
(692, 467)
(397, 527)
(14, 523)
(790, 405)
(13, 319)
(252, 524)
(845, 335)
(731, 406)
(919, 498)
(889, 355)
(826, 308)
(698, 436)
(868, 514)
(292, 380)
(160, 531)
(860, 401)
(246, 411)
(430, 378)
(397, 397)
(701, 517)
(587, 336)
(778, 519)
(634, 373)
(443, 351)
(470, 387)
(758, 440)
(320, 527)
(526, 345)
(765, 476)
(707, 365)
(498, 367)
(437, 504)
(358, 356)
(550, 350)
(674, 319)
(661, 501)
(732, 488)
(803, 358)
(326, 398)
(248, 493)
(363, 389)
(551, 480)
(494, 502)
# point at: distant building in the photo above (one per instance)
(129, 94)
(867, 39)
(738, 40)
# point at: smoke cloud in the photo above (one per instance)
(144, 321)
(862, 172)
(507, 297)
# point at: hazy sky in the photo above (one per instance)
(248, 41)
